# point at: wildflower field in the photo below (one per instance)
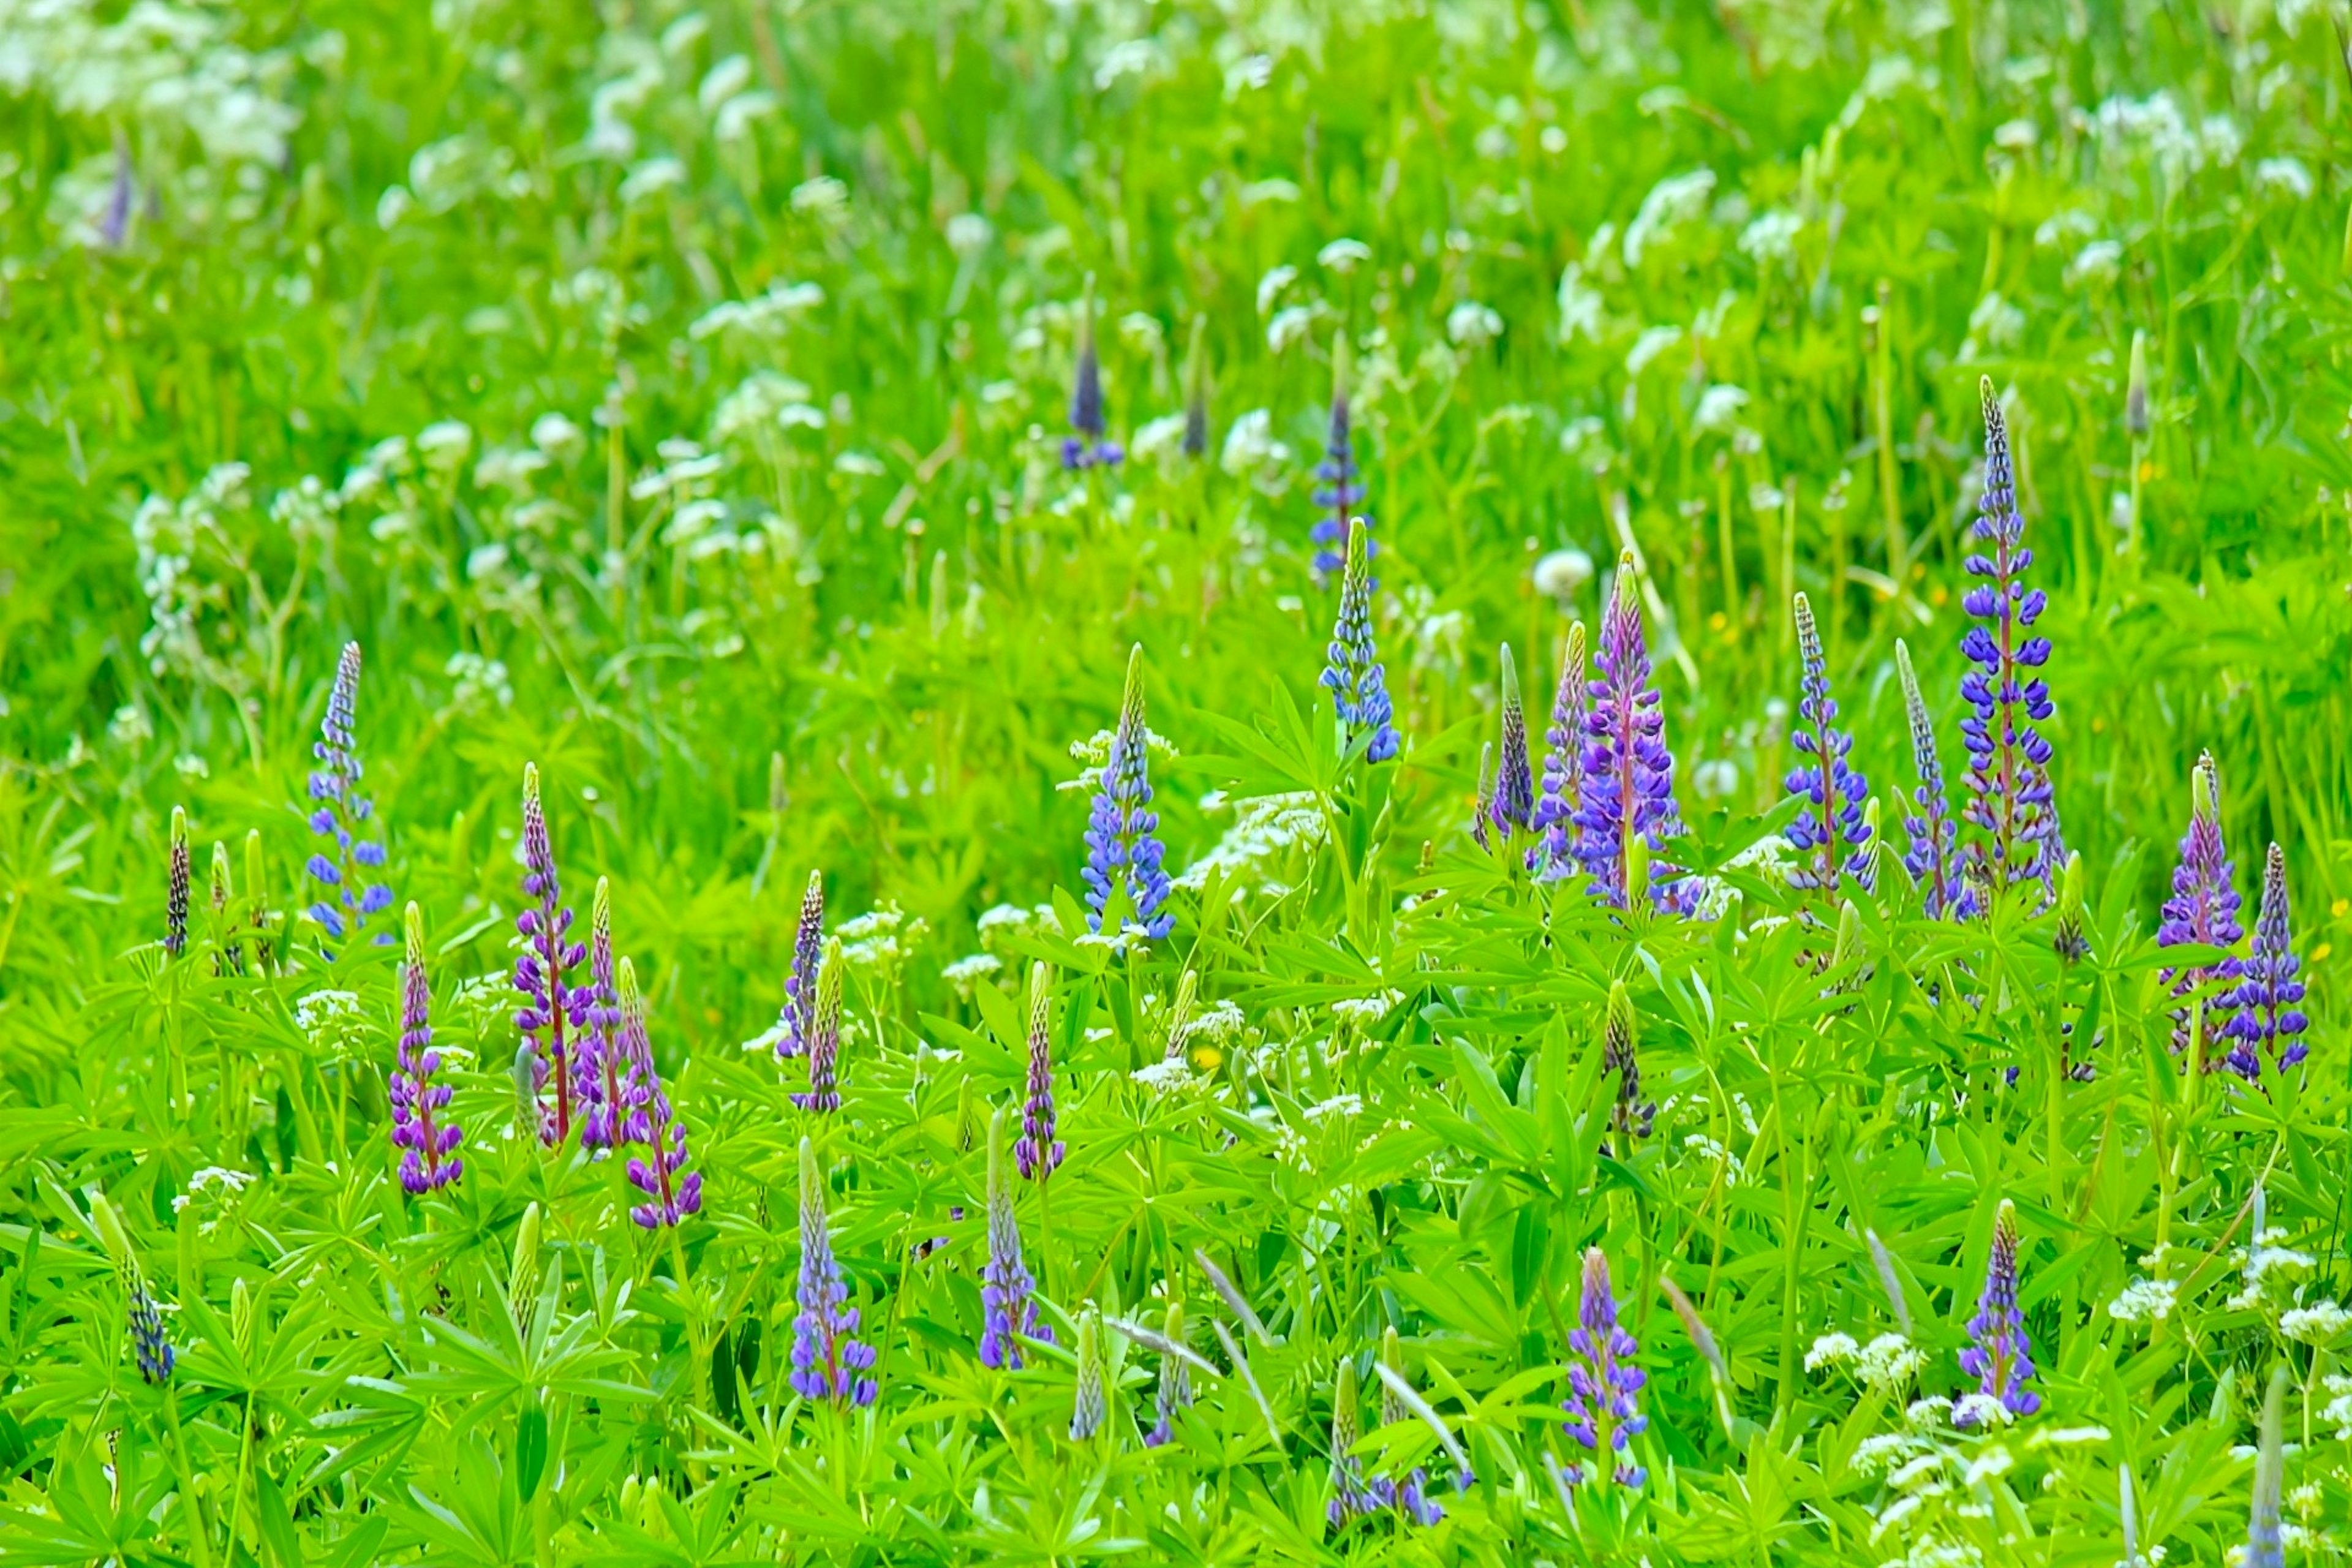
(1434, 782)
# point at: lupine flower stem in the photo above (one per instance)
(1563, 767)
(1039, 1150)
(1604, 1413)
(1830, 836)
(1511, 809)
(175, 894)
(669, 1197)
(428, 1143)
(544, 967)
(342, 814)
(1628, 773)
(2000, 1356)
(795, 1022)
(1011, 1316)
(1352, 672)
(824, 1092)
(829, 1362)
(1126, 885)
(1338, 488)
(2202, 911)
(2266, 1017)
(1931, 858)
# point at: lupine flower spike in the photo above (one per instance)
(2000, 1357)
(795, 1021)
(1175, 1390)
(2203, 911)
(1932, 858)
(2267, 1017)
(605, 1072)
(1411, 1499)
(2265, 1540)
(1563, 765)
(1085, 448)
(824, 1092)
(1039, 1153)
(1196, 391)
(1352, 672)
(1123, 872)
(151, 1344)
(2010, 801)
(1010, 1316)
(257, 904)
(553, 1010)
(427, 1139)
(175, 892)
(1829, 835)
(829, 1362)
(1339, 487)
(1090, 1410)
(1350, 1496)
(671, 1192)
(1628, 775)
(342, 814)
(1511, 809)
(1631, 1116)
(1603, 1405)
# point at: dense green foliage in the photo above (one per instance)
(674, 399)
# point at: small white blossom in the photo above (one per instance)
(1472, 325)
(1559, 574)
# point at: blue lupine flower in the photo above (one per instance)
(2267, 1017)
(342, 814)
(1087, 448)
(2000, 1358)
(1563, 765)
(1628, 773)
(1830, 837)
(1009, 1315)
(428, 1143)
(1339, 485)
(604, 1072)
(1123, 848)
(1511, 808)
(824, 1092)
(1039, 1153)
(150, 1343)
(1932, 858)
(175, 887)
(1604, 1406)
(2010, 803)
(552, 1005)
(799, 1012)
(2202, 910)
(829, 1362)
(669, 1196)
(1353, 673)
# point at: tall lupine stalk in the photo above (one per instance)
(605, 1071)
(2266, 1016)
(2010, 799)
(1933, 857)
(342, 814)
(2000, 1356)
(1339, 485)
(1090, 1403)
(428, 1143)
(1009, 1315)
(1830, 836)
(1628, 775)
(150, 1343)
(1085, 448)
(798, 1015)
(1124, 875)
(175, 887)
(1352, 671)
(669, 1196)
(1511, 807)
(1629, 1114)
(1039, 1153)
(228, 950)
(1564, 764)
(1350, 1496)
(1604, 1403)
(829, 1362)
(2202, 909)
(1174, 1392)
(824, 1092)
(544, 968)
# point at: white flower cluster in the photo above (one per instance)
(1266, 828)
(1888, 1362)
(879, 938)
(966, 972)
(2144, 1301)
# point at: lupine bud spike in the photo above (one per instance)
(1090, 1410)
(2265, 1541)
(824, 1092)
(1124, 874)
(1932, 858)
(1565, 739)
(1628, 794)
(1352, 671)
(427, 1139)
(1039, 1152)
(829, 1362)
(1196, 390)
(1512, 807)
(344, 863)
(1340, 493)
(176, 900)
(1005, 1283)
(1831, 834)
(2135, 389)
(1630, 1115)
(2266, 1019)
(1999, 1356)
(1603, 1406)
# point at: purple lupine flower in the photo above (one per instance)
(151, 1344)
(1090, 1407)
(175, 890)
(1564, 764)
(1352, 672)
(828, 1360)
(2203, 909)
(824, 1092)
(1630, 1115)
(1039, 1153)
(1511, 808)
(1831, 837)
(114, 226)
(544, 967)
(1010, 1316)
(1123, 849)
(2009, 798)
(2001, 1359)
(342, 814)
(2267, 1017)
(1085, 448)
(1628, 775)
(1174, 1392)
(1604, 1414)
(1411, 1499)
(604, 1072)
(669, 1197)
(1351, 1496)
(798, 1012)
(1338, 484)
(428, 1143)
(1932, 858)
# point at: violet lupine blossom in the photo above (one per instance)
(793, 1023)
(1039, 1153)
(829, 1362)
(1123, 849)
(1352, 672)
(1174, 1392)
(1086, 448)
(1338, 484)
(2203, 909)
(1351, 1496)
(543, 970)
(1009, 1315)
(342, 815)
(2267, 1018)
(1564, 764)
(1933, 857)
(669, 1196)
(2009, 798)
(2001, 1359)
(1628, 775)
(605, 1073)
(428, 1143)
(175, 892)
(824, 1092)
(1511, 808)
(1830, 837)
(1604, 1412)
(1411, 1496)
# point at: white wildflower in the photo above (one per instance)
(1581, 306)
(966, 973)
(1559, 574)
(1344, 255)
(1472, 325)
(1270, 287)
(2317, 1325)
(1250, 447)
(1653, 341)
(1889, 1360)
(1266, 828)
(2144, 1301)
(2097, 262)
(1771, 237)
(1832, 1350)
(1672, 202)
(2284, 176)
(1718, 407)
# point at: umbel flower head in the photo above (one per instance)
(1039, 1152)
(1126, 884)
(1564, 764)
(2010, 799)
(671, 1192)
(2001, 1355)
(1339, 487)
(795, 1022)
(1085, 448)
(604, 1078)
(1604, 1386)
(1829, 835)
(2266, 1016)
(2203, 907)
(427, 1139)
(1933, 857)
(1352, 671)
(555, 1010)
(1511, 808)
(1628, 775)
(1010, 1316)
(824, 1092)
(342, 814)
(829, 1362)
(175, 890)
